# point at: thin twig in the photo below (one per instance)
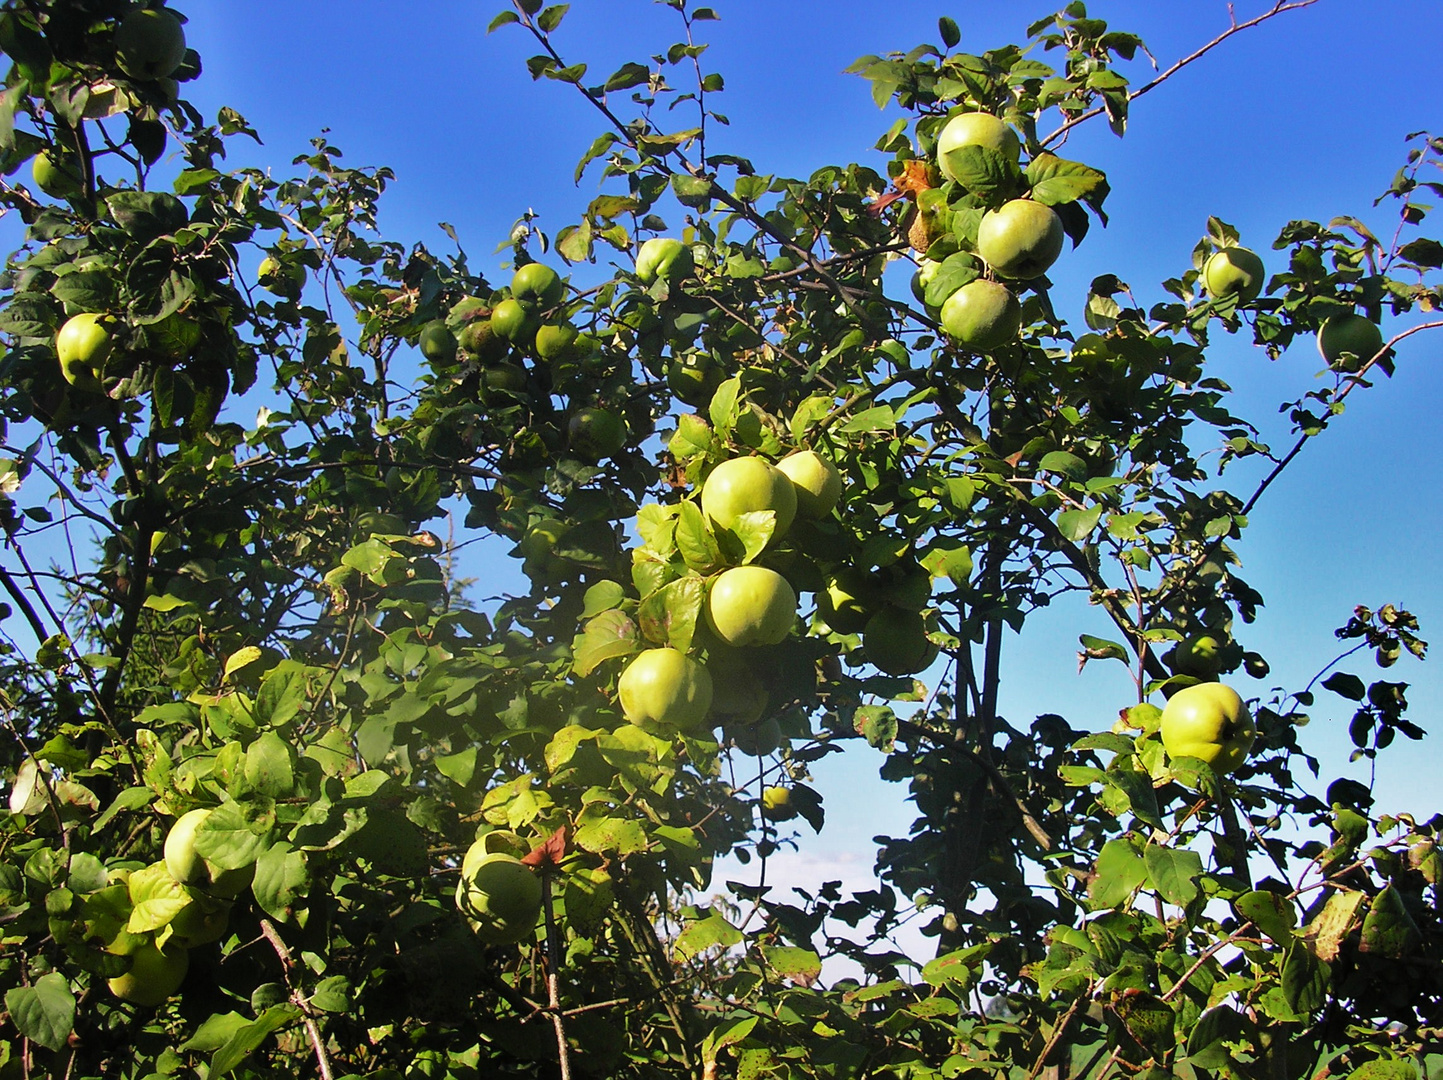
(553, 976)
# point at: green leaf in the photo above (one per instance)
(694, 539)
(947, 28)
(1388, 929)
(949, 559)
(1065, 464)
(333, 995)
(985, 172)
(588, 897)
(281, 876)
(1274, 915)
(234, 835)
(624, 78)
(86, 290)
(155, 898)
(1096, 648)
(248, 1039)
(505, 18)
(1305, 980)
(609, 635)
(954, 272)
(550, 18)
(877, 724)
(603, 596)
(670, 614)
(1173, 873)
(708, 933)
(1345, 685)
(801, 966)
(693, 438)
(754, 530)
(1076, 524)
(44, 1012)
(1120, 872)
(1384, 1069)
(269, 765)
(1205, 1048)
(619, 836)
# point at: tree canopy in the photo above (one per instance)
(786, 463)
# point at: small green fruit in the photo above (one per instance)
(1208, 721)
(665, 686)
(82, 346)
(751, 605)
(926, 271)
(693, 379)
(848, 601)
(594, 434)
(1234, 271)
(480, 341)
(664, 257)
(154, 975)
(149, 44)
(1347, 342)
(1020, 239)
(896, 642)
(1200, 656)
(514, 321)
(975, 129)
(537, 286)
(747, 484)
(58, 177)
(437, 343)
(499, 894)
(556, 341)
(982, 315)
(817, 480)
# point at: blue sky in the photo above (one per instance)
(1303, 117)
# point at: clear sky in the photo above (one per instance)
(1303, 117)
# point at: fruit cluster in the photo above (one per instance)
(156, 915)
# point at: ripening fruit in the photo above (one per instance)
(82, 346)
(595, 434)
(149, 43)
(777, 802)
(499, 894)
(751, 605)
(154, 975)
(537, 286)
(188, 867)
(1200, 656)
(437, 343)
(818, 482)
(1208, 721)
(556, 341)
(745, 485)
(975, 129)
(848, 601)
(664, 257)
(896, 642)
(1233, 271)
(57, 176)
(1020, 239)
(665, 686)
(1347, 342)
(982, 315)
(514, 321)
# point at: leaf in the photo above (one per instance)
(801, 966)
(625, 77)
(1384, 1069)
(1120, 873)
(269, 764)
(611, 835)
(506, 18)
(603, 596)
(947, 29)
(155, 898)
(86, 290)
(44, 1012)
(609, 635)
(1065, 464)
(1205, 1048)
(1173, 873)
(951, 274)
(1274, 915)
(950, 559)
(694, 539)
(985, 172)
(233, 835)
(669, 615)
(248, 1039)
(550, 18)
(281, 876)
(1076, 524)
(588, 897)
(332, 995)
(1056, 182)
(1388, 929)
(1345, 685)
(1334, 923)
(1305, 980)
(877, 724)
(693, 438)
(708, 933)
(1096, 648)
